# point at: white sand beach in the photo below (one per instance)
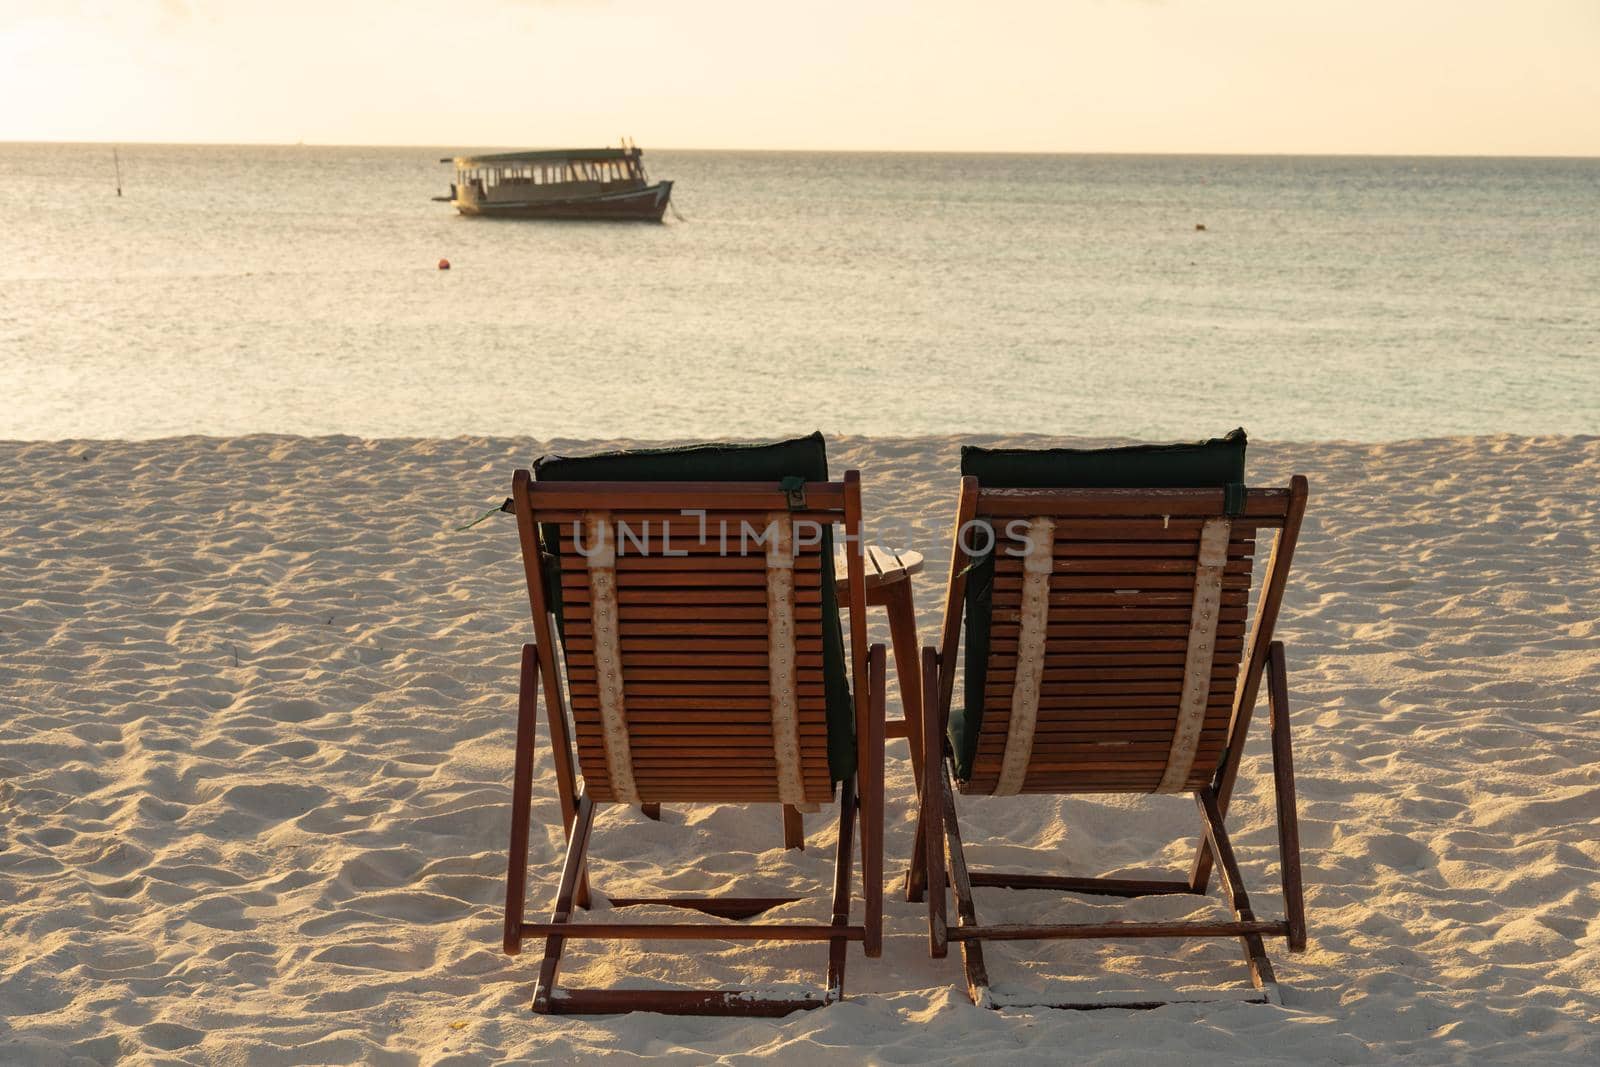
(256, 708)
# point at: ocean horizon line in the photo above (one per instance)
(935, 152)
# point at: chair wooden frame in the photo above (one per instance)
(938, 856)
(860, 799)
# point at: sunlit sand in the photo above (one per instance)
(256, 750)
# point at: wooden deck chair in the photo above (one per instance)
(1107, 652)
(700, 645)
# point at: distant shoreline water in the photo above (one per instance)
(911, 443)
(245, 289)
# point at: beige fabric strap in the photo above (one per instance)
(602, 562)
(781, 658)
(1202, 644)
(1038, 561)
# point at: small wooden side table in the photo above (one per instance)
(889, 587)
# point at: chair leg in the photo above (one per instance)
(571, 871)
(1222, 786)
(871, 810)
(966, 907)
(794, 828)
(1255, 953)
(844, 856)
(521, 801)
(916, 882)
(1294, 903)
(903, 640)
(561, 755)
(932, 820)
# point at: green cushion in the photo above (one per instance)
(1217, 462)
(802, 457)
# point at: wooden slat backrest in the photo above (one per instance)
(691, 581)
(1122, 568)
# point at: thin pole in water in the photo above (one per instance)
(116, 162)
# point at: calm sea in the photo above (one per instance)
(233, 290)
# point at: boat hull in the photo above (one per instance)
(635, 205)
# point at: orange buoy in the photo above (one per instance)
(444, 264)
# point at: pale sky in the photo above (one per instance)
(1468, 77)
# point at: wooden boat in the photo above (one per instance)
(558, 183)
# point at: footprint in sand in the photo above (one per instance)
(275, 800)
(295, 710)
(121, 858)
(54, 836)
(381, 869)
(220, 913)
(341, 818)
(170, 1037)
(375, 956)
(229, 949)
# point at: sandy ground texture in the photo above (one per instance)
(256, 702)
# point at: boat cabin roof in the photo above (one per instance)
(543, 156)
